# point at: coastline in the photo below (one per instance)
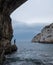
(46, 35)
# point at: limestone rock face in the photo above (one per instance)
(46, 35)
(8, 6)
(36, 38)
(6, 31)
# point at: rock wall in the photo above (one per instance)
(37, 38)
(6, 30)
(46, 35)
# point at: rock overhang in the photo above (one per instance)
(16, 5)
(9, 6)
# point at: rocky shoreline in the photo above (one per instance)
(45, 36)
(6, 30)
(6, 51)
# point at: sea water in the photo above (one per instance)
(31, 54)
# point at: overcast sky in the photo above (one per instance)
(34, 11)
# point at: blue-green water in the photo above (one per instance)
(31, 54)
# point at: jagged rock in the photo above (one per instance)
(10, 49)
(6, 30)
(46, 35)
(37, 38)
(6, 8)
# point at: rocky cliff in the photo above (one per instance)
(46, 35)
(6, 30)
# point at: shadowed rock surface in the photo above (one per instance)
(6, 30)
(46, 35)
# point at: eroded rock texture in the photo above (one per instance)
(46, 35)
(6, 31)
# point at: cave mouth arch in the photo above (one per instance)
(6, 8)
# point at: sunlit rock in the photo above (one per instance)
(46, 35)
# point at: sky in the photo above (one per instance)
(34, 11)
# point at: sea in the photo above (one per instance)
(29, 53)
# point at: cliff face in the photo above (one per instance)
(6, 31)
(36, 38)
(46, 35)
(6, 8)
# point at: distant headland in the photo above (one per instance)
(45, 36)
